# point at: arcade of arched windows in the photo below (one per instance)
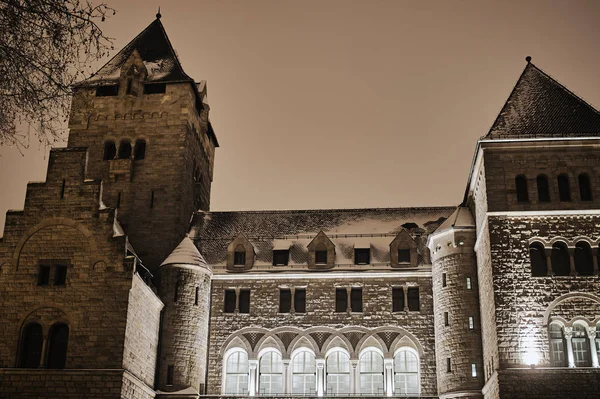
(321, 362)
(575, 343)
(562, 183)
(559, 257)
(43, 345)
(125, 150)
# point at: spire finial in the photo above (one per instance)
(528, 59)
(158, 15)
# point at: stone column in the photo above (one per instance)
(592, 337)
(293, 301)
(405, 293)
(286, 368)
(572, 261)
(548, 252)
(320, 376)
(569, 339)
(237, 301)
(354, 377)
(348, 300)
(595, 260)
(43, 358)
(388, 376)
(252, 378)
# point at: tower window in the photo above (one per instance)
(397, 299)
(300, 300)
(197, 296)
(446, 319)
(521, 185)
(471, 323)
(44, 275)
(107, 91)
(110, 150)
(362, 256)
(125, 149)
(176, 292)
(152, 199)
(444, 279)
(239, 256)
(537, 257)
(404, 255)
(413, 299)
(585, 188)
(448, 365)
(469, 283)
(140, 150)
(543, 189)
(155, 88)
(62, 189)
(473, 370)
(285, 300)
(170, 372)
(341, 300)
(118, 200)
(280, 257)
(564, 189)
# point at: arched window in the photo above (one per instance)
(585, 188)
(584, 260)
(338, 373)
(543, 188)
(597, 340)
(140, 150)
(110, 150)
(57, 346)
(537, 257)
(581, 346)
(239, 256)
(564, 189)
(125, 149)
(406, 372)
(371, 373)
(561, 261)
(271, 374)
(522, 193)
(236, 373)
(32, 339)
(304, 370)
(558, 356)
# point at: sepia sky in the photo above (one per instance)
(340, 104)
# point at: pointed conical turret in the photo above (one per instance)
(186, 253)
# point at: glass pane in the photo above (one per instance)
(304, 381)
(236, 379)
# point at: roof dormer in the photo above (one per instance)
(321, 252)
(240, 254)
(403, 250)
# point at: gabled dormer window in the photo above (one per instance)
(404, 256)
(403, 250)
(240, 254)
(321, 252)
(321, 255)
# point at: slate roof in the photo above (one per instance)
(156, 51)
(461, 217)
(214, 231)
(539, 106)
(186, 253)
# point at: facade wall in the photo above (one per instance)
(320, 312)
(549, 383)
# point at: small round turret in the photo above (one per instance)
(184, 288)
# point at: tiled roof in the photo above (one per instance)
(461, 217)
(186, 253)
(156, 51)
(214, 231)
(539, 106)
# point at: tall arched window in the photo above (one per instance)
(543, 188)
(564, 188)
(57, 346)
(522, 192)
(584, 260)
(125, 149)
(537, 257)
(304, 370)
(581, 346)
(558, 357)
(585, 188)
(371, 373)
(140, 150)
(406, 372)
(561, 261)
(236, 373)
(338, 373)
(271, 374)
(30, 352)
(110, 150)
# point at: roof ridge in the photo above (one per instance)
(419, 208)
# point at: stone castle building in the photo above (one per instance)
(118, 281)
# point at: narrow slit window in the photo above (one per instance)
(444, 282)
(176, 292)
(285, 300)
(118, 200)
(170, 372)
(62, 189)
(446, 319)
(473, 370)
(152, 199)
(300, 300)
(471, 323)
(196, 296)
(448, 365)
(469, 283)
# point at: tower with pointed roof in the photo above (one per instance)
(145, 124)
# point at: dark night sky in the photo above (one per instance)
(337, 104)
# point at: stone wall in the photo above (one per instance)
(549, 383)
(320, 313)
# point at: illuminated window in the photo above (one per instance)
(304, 370)
(270, 374)
(236, 373)
(371, 373)
(338, 373)
(406, 372)
(557, 346)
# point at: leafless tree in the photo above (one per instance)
(45, 47)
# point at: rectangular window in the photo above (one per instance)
(444, 279)
(448, 365)
(404, 255)
(468, 283)
(152, 199)
(341, 300)
(473, 370)
(413, 299)
(300, 300)
(244, 301)
(155, 88)
(239, 258)
(60, 275)
(176, 292)
(229, 301)
(107, 91)
(362, 256)
(356, 299)
(471, 323)
(170, 370)
(446, 319)
(285, 300)
(321, 257)
(280, 257)
(44, 275)
(196, 296)
(397, 299)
